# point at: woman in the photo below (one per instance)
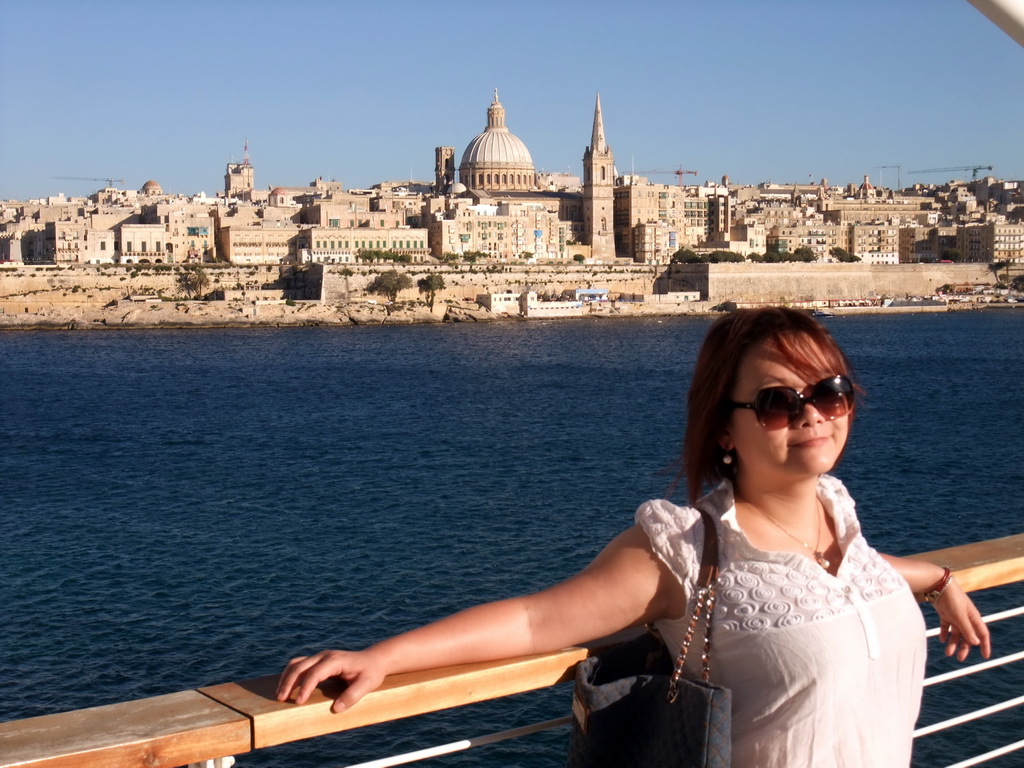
(816, 634)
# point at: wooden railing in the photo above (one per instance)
(234, 718)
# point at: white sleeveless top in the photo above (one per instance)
(825, 671)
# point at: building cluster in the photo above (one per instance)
(496, 207)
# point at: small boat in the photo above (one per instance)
(821, 313)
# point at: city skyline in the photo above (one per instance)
(787, 92)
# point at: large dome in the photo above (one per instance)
(497, 146)
(497, 159)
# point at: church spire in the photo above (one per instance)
(597, 143)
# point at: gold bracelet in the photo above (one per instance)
(932, 596)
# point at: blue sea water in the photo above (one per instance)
(183, 508)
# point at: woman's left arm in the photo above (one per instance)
(960, 624)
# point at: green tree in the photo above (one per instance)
(804, 253)
(194, 281)
(843, 255)
(995, 268)
(371, 254)
(1017, 283)
(952, 254)
(717, 257)
(579, 258)
(686, 256)
(390, 284)
(430, 285)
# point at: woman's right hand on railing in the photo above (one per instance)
(361, 670)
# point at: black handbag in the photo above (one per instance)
(633, 708)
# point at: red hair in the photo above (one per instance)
(802, 342)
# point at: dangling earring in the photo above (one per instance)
(727, 459)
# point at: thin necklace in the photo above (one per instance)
(819, 556)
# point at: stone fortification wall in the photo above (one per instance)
(753, 283)
(343, 283)
(32, 288)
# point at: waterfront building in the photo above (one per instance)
(876, 243)
(651, 242)
(143, 243)
(403, 202)
(649, 221)
(925, 244)
(269, 243)
(909, 210)
(745, 238)
(653, 221)
(342, 245)
(189, 229)
(508, 230)
(72, 242)
(11, 248)
(530, 305)
(500, 302)
(991, 242)
(821, 238)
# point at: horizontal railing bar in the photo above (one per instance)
(458, 746)
(983, 564)
(966, 718)
(261, 720)
(990, 619)
(979, 759)
(974, 668)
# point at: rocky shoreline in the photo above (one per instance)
(237, 314)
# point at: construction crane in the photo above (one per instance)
(679, 173)
(972, 168)
(899, 183)
(107, 179)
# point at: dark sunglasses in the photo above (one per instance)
(777, 407)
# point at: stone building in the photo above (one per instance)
(991, 241)
(819, 237)
(274, 242)
(503, 231)
(875, 243)
(342, 245)
(143, 243)
(925, 244)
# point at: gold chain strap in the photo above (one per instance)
(705, 605)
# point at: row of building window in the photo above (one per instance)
(365, 244)
(499, 178)
(143, 247)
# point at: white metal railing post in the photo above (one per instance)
(217, 762)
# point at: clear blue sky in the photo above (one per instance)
(361, 92)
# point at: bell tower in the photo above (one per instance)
(599, 191)
(240, 178)
(444, 169)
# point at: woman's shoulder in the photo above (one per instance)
(676, 532)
